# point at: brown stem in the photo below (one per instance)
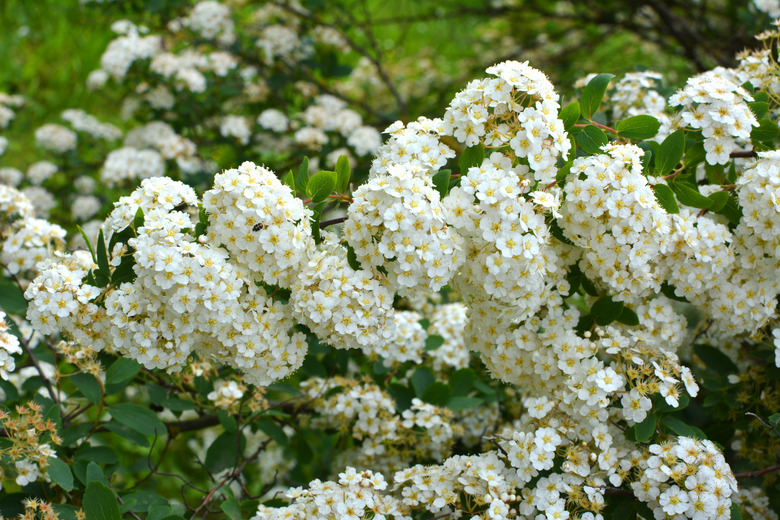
(757, 473)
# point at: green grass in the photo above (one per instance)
(49, 48)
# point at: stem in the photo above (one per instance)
(757, 473)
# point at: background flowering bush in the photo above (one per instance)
(289, 276)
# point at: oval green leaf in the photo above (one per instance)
(593, 94)
(321, 185)
(638, 127)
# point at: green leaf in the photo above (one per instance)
(759, 108)
(178, 405)
(694, 155)
(60, 474)
(460, 402)
(100, 503)
(421, 379)
(100, 454)
(89, 244)
(274, 431)
(223, 452)
(766, 130)
(731, 210)
(591, 139)
(433, 342)
(289, 180)
(438, 394)
(95, 473)
(121, 370)
(716, 173)
(343, 174)
(678, 427)
(719, 200)
(638, 127)
(137, 418)
(231, 508)
(441, 181)
(645, 430)
(302, 178)
(88, 386)
(716, 360)
(321, 185)
(227, 421)
(690, 196)
(123, 431)
(605, 310)
(736, 513)
(670, 152)
(461, 381)
(471, 157)
(569, 114)
(12, 298)
(628, 317)
(593, 94)
(102, 255)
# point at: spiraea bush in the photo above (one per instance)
(265, 298)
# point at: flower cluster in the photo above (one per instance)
(29, 437)
(718, 106)
(611, 213)
(686, 477)
(518, 108)
(56, 138)
(264, 227)
(354, 496)
(9, 345)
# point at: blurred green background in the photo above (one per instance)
(50, 46)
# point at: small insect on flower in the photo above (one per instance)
(257, 227)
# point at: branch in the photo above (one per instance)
(757, 473)
(402, 108)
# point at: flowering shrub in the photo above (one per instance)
(520, 309)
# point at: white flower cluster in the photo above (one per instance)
(770, 7)
(84, 122)
(344, 307)
(518, 108)
(9, 345)
(40, 171)
(84, 207)
(510, 256)
(449, 321)
(485, 479)
(326, 120)
(56, 138)
(389, 440)
(237, 127)
(29, 241)
(686, 478)
(262, 224)
(159, 194)
(186, 71)
(612, 213)
(129, 164)
(718, 106)
(226, 393)
(186, 297)
(7, 105)
(408, 341)
(396, 221)
(274, 120)
(753, 502)
(211, 19)
(355, 496)
(13, 205)
(123, 51)
(163, 138)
